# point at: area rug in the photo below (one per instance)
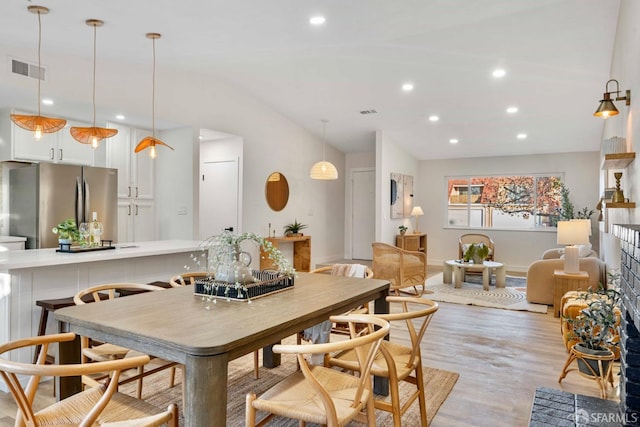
(512, 297)
(438, 385)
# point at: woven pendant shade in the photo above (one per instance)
(32, 123)
(92, 135)
(150, 142)
(323, 170)
(38, 124)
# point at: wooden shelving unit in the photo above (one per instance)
(617, 160)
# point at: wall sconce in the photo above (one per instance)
(606, 107)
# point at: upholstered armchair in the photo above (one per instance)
(401, 268)
(540, 280)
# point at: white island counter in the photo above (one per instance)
(32, 275)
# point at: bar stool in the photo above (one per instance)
(51, 305)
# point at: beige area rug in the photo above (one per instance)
(509, 298)
(438, 385)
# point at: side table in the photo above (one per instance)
(565, 282)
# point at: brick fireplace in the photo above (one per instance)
(629, 236)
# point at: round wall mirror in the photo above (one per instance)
(276, 191)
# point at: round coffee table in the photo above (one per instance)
(456, 268)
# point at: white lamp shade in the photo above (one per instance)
(417, 210)
(587, 222)
(323, 170)
(573, 233)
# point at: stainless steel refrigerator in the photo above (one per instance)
(43, 195)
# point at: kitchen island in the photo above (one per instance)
(32, 275)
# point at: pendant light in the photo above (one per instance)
(38, 124)
(93, 135)
(151, 141)
(323, 170)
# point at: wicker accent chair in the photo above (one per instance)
(105, 351)
(321, 395)
(186, 279)
(102, 405)
(400, 267)
(398, 362)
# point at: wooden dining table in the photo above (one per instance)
(179, 326)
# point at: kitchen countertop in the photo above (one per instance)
(12, 239)
(34, 258)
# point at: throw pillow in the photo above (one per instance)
(584, 250)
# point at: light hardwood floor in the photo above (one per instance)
(501, 356)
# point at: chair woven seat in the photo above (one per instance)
(403, 359)
(295, 397)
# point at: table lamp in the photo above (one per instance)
(572, 233)
(416, 211)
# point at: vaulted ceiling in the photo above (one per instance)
(556, 55)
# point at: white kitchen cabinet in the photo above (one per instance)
(136, 184)
(136, 220)
(136, 172)
(58, 147)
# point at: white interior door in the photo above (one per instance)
(362, 211)
(219, 182)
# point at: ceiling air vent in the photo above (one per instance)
(27, 69)
(372, 111)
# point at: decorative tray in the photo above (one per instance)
(68, 248)
(268, 282)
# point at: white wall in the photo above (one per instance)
(517, 249)
(625, 67)
(272, 142)
(391, 158)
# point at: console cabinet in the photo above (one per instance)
(412, 242)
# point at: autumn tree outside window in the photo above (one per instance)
(510, 201)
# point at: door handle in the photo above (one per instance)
(60, 157)
(51, 153)
(136, 192)
(129, 213)
(228, 229)
(129, 192)
(136, 210)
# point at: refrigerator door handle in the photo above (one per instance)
(87, 200)
(79, 198)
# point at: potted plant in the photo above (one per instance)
(294, 228)
(67, 231)
(476, 252)
(596, 329)
(403, 229)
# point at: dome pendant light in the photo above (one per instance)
(93, 135)
(38, 124)
(323, 170)
(151, 141)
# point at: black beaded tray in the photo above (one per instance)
(68, 248)
(268, 282)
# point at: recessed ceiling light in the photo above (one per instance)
(119, 117)
(499, 72)
(512, 110)
(200, 137)
(434, 118)
(317, 20)
(47, 101)
(453, 141)
(522, 136)
(407, 87)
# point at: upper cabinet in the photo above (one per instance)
(58, 147)
(135, 171)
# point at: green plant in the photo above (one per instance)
(402, 228)
(596, 325)
(566, 210)
(294, 227)
(68, 229)
(477, 252)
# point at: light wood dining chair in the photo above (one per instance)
(105, 351)
(321, 395)
(101, 405)
(189, 278)
(395, 361)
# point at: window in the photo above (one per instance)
(513, 201)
